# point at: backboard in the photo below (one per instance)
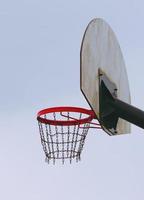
(101, 61)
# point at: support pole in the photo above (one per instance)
(128, 112)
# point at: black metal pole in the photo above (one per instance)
(128, 112)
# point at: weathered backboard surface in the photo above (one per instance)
(101, 51)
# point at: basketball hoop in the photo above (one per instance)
(63, 131)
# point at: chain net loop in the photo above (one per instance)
(63, 141)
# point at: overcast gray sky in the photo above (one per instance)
(39, 60)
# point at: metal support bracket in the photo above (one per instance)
(111, 108)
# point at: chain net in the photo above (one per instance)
(63, 142)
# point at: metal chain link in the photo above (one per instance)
(68, 137)
(84, 133)
(42, 138)
(47, 142)
(57, 139)
(52, 155)
(76, 143)
(72, 143)
(63, 149)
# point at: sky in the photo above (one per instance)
(39, 61)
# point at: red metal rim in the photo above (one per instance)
(68, 122)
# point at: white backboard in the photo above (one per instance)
(100, 50)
